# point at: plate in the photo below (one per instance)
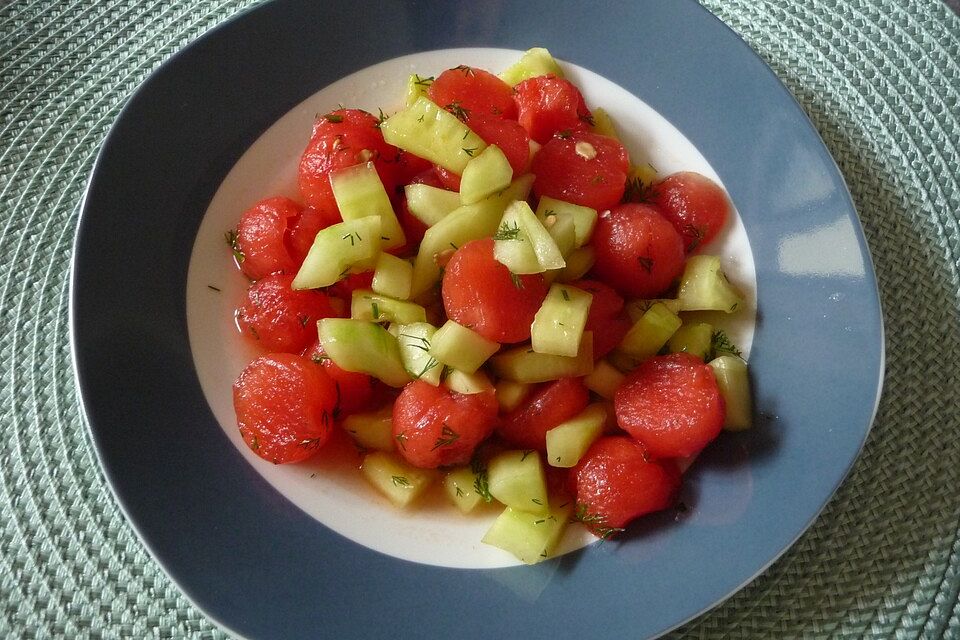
(255, 559)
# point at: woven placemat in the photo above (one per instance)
(880, 80)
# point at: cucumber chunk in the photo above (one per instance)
(579, 262)
(636, 308)
(460, 486)
(695, 338)
(367, 305)
(339, 249)
(510, 394)
(562, 228)
(734, 384)
(360, 193)
(517, 479)
(639, 180)
(372, 430)
(520, 232)
(417, 87)
(467, 383)
(363, 347)
(704, 287)
(559, 323)
(603, 123)
(426, 130)
(414, 341)
(485, 175)
(469, 222)
(650, 332)
(584, 218)
(523, 364)
(460, 347)
(400, 482)
(392, 277)
(568, 441)
(430, 204)
(531, 538)
(604, 379)
(535, 62)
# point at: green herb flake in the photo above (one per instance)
(400, 481)
(565, 294)
(517, 282)
(335, 118)
(447, 437)
(234, 243)
(720, 344)
(646, 263)
(506, 232)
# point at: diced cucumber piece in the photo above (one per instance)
(650, 332)
(400, 482)
(523, 364)
(510, 394)
(364, 347)
(367, 305)
(485, 175)
(517, 479)
(512, 246)
(417, 87)
(392, 276)
(562, 228)
(584, 218)
(531, 538)
(520, 225)
(559, 323)
(459, 485)
(704, 287)
(641, 176)
(603, 123)
(734, 384)
(372, 430)
(338, 249)
(636, 308)
(568, 441)
(414, 342)
(430, 204)
(426, 130)
(579, 262)
(604, 379)
(695, 338)
(460, 347)
(360, 193)
(623, 362)
(467, 383)
(469, 222)
(535, 62)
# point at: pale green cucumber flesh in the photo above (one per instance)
(461, 347)
(339, 249)
(360, 193)
(559, 323)
(734, 384)
(485, 175)
(374, 307)
(531, 538)
(398, 481)
(704, 287)
(523, 364)
(430, 204)
(517, 479)
(650, 332)
(426, 130)
(568, 441)
(392, 277)
(414, 341)
(363, 347)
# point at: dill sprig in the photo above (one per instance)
(506, 232)
(646, 263)
(422, 81)
(595, 523)
(457, 110)
(517, 282)
(447, 437)
(234, 243)
(720, 344)
(481, 482)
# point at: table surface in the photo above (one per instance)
(880, 80)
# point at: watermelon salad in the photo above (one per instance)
(491, 301)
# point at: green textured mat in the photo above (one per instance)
(879, 78)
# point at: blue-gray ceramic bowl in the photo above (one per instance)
(261, 567)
